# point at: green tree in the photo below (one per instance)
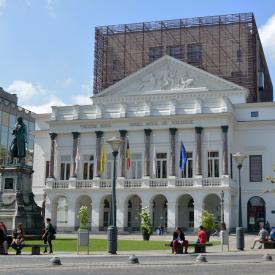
(208, 221)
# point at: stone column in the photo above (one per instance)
(51, 172)
(99, 135)
(172, 208)
(225, 149)
(71, 226)
(95, 219)
(123, 134)
(198, 208)
(147, 155)
(198, 150)
(75, 145)
(172, 171)
(121, 213)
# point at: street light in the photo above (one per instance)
(239, 158)
(112, 229)
(222, 208)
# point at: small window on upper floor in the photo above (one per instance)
(254, 114)
(175, 51)
(155, 53)
(194, 53)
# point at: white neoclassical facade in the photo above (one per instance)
(154, 110)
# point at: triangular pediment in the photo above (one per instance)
(169, 75)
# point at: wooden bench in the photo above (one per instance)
(268, 244)
(36, 248)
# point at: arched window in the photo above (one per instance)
(106, 204)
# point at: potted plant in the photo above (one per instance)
(145, 223)
(83, 232)
(83, 218)
(208, 222)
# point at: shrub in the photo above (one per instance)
(83, 217)
(145, 221)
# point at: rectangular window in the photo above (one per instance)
(255, 168)
(136, 165)
(161, 165)
(194, 53)
(88, 167)
(213, 164)
(155, 53)
(188, 170)
(175, 51)
(47, 170)
(65, 167)
(9, 184)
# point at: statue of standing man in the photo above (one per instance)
(18, 144)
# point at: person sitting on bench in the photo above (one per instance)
(202, 236)
(179, 240)
(18, 238)
(262, 236)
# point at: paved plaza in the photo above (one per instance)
(150, 262)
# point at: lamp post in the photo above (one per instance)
(239, 158)
(222, 208)
(112, 229)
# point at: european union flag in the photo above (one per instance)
(183, 157)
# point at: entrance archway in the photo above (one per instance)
(186, 212)
(133, 210)
(255, 213)
(159, 204)
(212, 203)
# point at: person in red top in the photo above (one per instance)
(202, 236)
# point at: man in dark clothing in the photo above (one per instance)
(179, 239)
(48, 236)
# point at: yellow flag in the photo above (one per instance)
(103, 160)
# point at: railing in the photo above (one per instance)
(84, 184)
(142, 183)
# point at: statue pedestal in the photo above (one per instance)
(17, 203)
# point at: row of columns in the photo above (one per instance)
(147, 154)
(122, 213)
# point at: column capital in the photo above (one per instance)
(99, 134)
(224, 128)
(198, 130)
(147, 132)
(75, 135)
(123, 133)
(53, 135)
(173, 131)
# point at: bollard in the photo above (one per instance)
(267, 258)
(55, 261)
(201, 259)
(240, 238)
(133, 260)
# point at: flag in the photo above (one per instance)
(183, 157)
(128, 156)
(102, 160)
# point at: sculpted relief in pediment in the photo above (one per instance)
(165, 80)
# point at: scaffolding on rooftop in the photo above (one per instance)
(225, 45)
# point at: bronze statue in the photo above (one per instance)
(18, 144)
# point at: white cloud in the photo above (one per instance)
(2, 4)
(68, 82)
(34, 97)
(50, 7)
(267, 34)
(25, 90)
(81, 100)
(45, 107)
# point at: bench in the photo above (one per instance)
(198, 248)
(36, 248)
(268, 244)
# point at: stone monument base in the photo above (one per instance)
(17, 203)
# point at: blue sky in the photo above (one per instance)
(46, 46)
